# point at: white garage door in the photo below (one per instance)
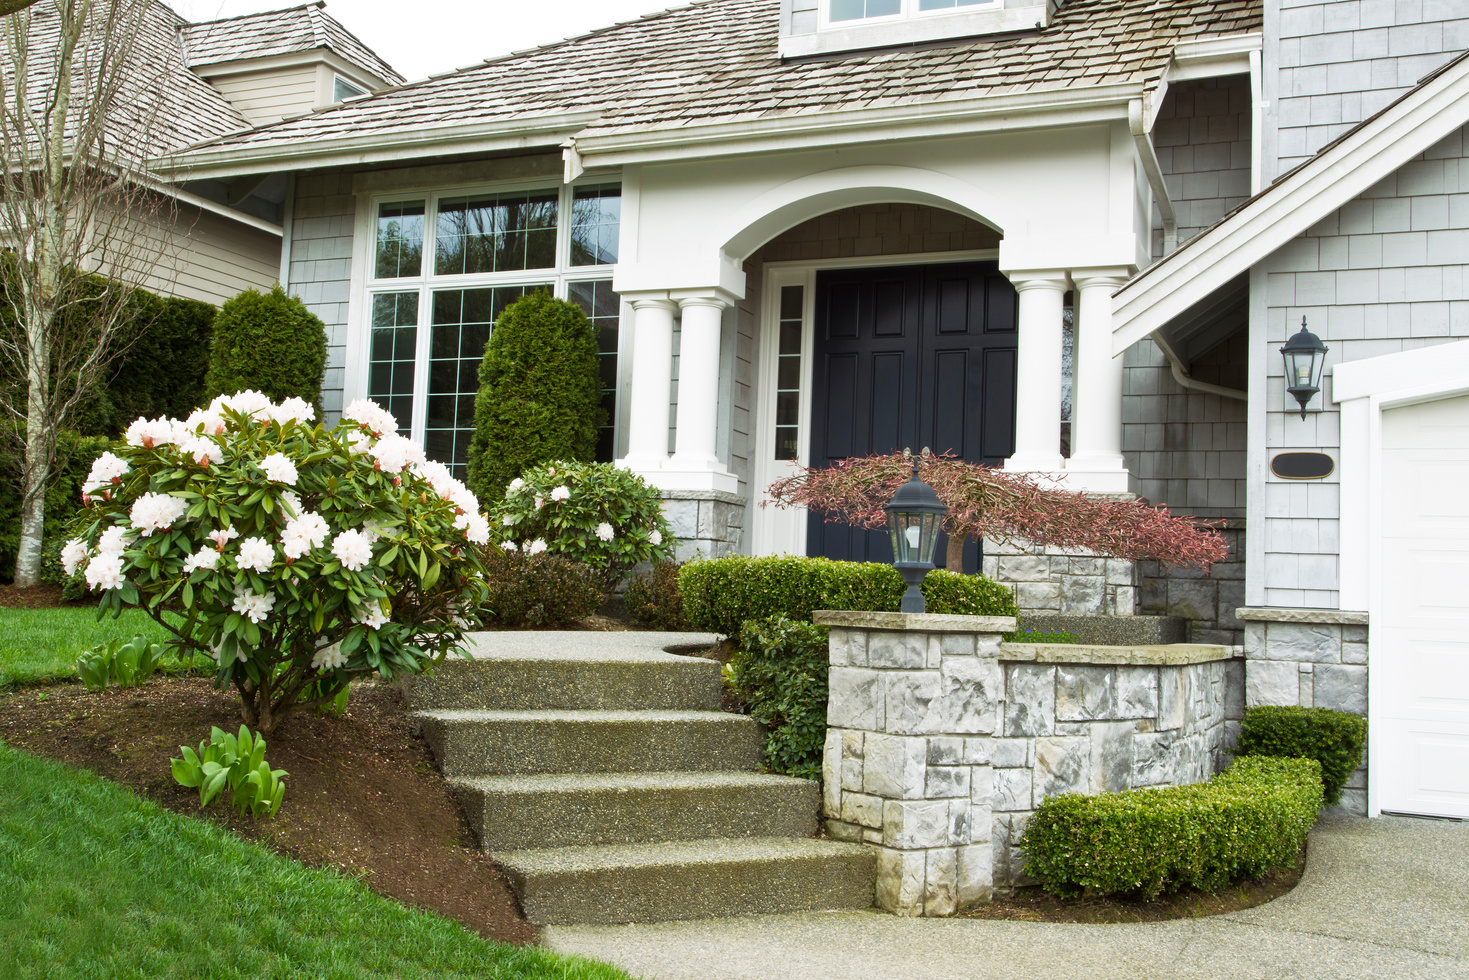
(1419, 674)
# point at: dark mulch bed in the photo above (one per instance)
(1034, 905)
(362, 794)
(36, 597)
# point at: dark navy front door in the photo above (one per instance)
(908, 357)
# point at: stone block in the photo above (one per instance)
(946, 751)
(1030, 699)
(1120, 571)
(852, 780)
(976, 873)
(1010, 753)
(855, 699)
(887, 648)
(915, 824)
(1137, 692)
(1354, 633)
(1196, 599)
(1254, 641)
(840, 830)
(969, 697)
(1038, 596)
(1354, 653)
(1121, 601)
(1023, 568)
(1084, 693)
(1083, 595)
(981, 785)
(978, 751)
(1234, 689)
(959, 823)
(987, 645)
(831, 773)
(1341, 687)
(1175, 697)
(943, 782)
(682, 517)
(900, 878)
(1271, 682)
(847, 648)
(861, 809)
(1354, 802)
(1013, 789)
(1310, 642)
(1062, 765)
(1154, 759)
(1086, 566)
(941, 885)
(953, 644)
(910, 701)
(1111, 756)
(894, 766)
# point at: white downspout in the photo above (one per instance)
(1181, 375)
(1137, 122)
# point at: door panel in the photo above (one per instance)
(910, 357)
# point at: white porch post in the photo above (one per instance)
(652, 383)
(1038, 371)
(1096, 462)
(695, 463)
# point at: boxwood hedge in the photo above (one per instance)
(780, 673)
(1333, 738)
(1247, 820)
(720, 594)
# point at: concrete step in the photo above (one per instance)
(692, 879)
(565, 671)
(504, 743)
(551, 810)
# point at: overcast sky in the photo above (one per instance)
(423, 37)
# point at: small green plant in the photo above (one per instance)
(780, 673)
(233, 761)
(126, 664)
(541, 590)
(1248, 820)
(653, 598)
(1333, 738)
(1040, 636)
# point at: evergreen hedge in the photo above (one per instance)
(539, 393)
(63, 498)
(1248, 820)
(1335, 739)
(269, 342)
(162, 371)
(780, 673)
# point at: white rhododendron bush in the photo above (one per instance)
(295, 556)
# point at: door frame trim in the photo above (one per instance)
(1365, 389)
(765, 469)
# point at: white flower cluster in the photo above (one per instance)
(256, 555)
(107, 469)
(394, 453)
(156, 512)
(371, 416)
(561, 493)
(655, 537)
(103, 570)
(303, 533)
(206, 558)
(150, 433)
(279, 469)
(605, 531)
(252, 606)
(328, 656)
(373, 617)
(534, 547)
(353, 549)
(223, 536)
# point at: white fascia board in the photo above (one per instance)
(479, 137)
(1029, 110)
(1290, 207)
(1213, 56)
(1404, 374)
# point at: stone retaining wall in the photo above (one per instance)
(941, 741)
(707, 523)
(1053, 580)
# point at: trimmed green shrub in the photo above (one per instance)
(1333, 738)
(653, 599)
(163, 371)
(780, 673)
(721, 593)
(1248, 820)
(540, 393)
(270, 343)
(63, 498)
(537, 590)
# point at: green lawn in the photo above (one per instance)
(97, 882)
(38, 645)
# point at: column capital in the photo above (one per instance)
(719, 299)
(1027, 279)
(651, 301)
(1114, 276)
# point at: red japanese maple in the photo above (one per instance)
(990, 503)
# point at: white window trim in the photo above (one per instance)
(907, 10)
(916, 27)
(356, 375)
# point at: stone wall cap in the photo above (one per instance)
(914, 622)
(1163, 655)
(723, 496)
(1288, 614)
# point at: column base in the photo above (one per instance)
(1035, 462)
(1095, 480)
(673, 477)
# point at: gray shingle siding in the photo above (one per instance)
(321, 265)
(1202, 137)
(1387, 272)
(1330, 65)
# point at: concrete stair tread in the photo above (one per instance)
(710, 852)
(553, 782)
(631, 646)
(582, 716)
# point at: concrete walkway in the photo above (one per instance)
(1381, 898)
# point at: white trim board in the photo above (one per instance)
(1298, 201)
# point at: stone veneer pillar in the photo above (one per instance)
(914, 704)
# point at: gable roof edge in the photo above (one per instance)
(1341, 172)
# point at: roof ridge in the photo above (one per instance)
(313, 11)
(258, 13)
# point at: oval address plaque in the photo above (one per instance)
(1302, 466)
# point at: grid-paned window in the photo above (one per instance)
(862, 9)
(488, 249)
(788, 374)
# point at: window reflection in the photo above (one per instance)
(604, 308)
(596, 215)
(399, 240)
(392, 354)
(496, 233)
(861, 9)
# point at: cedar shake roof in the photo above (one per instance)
(716, 61)
(275, 32)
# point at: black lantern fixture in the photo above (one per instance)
(914, 515)
(1305, 356)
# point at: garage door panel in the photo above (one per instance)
(1430, 781)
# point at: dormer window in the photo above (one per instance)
(342, 90)
(810, 27)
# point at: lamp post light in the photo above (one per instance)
(1305, 356)
(914, 515)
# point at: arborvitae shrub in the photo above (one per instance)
(268, 342)
(539, 393)
(74, 455)
(1333, 738)
(163, 371)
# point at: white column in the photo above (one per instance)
(695, 463)
(1096, 462)
(652, 384)
(1038, 372)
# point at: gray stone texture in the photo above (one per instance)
(1056, 582)
(707, 523)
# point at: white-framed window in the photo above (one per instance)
(841, 13)
(444, 265)
(342, 90)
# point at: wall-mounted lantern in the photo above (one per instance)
(1305, 357)
(914, 515)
